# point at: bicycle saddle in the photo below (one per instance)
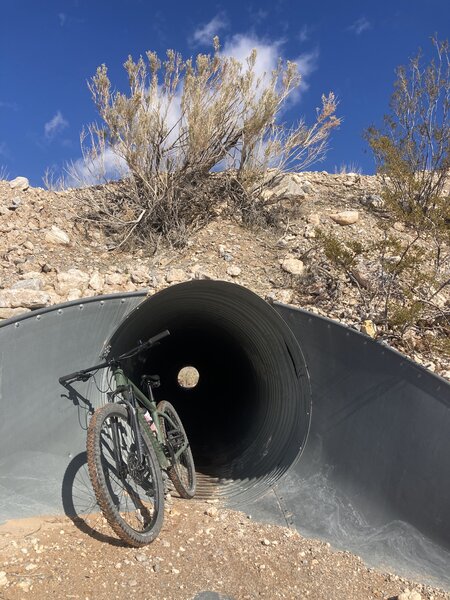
(153, 380)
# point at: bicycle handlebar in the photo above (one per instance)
(80, 374)
(137, 350)
(145, 345)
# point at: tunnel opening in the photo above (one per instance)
(248, 416)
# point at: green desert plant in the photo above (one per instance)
(412, 150)
(398, 291)
(412, 154)
(192, 134)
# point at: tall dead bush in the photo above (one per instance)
(192, 134)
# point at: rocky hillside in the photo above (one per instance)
(48, 256)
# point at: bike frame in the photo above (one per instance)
(133, 397)
(126, 386)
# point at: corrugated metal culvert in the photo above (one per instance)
(248, 416)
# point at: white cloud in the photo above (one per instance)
(106, 167)
(240, 47)
(62, 19)
(10, 105)
(56, 124)
(307, 63)
(304, 34)
(205, 33)
(360, 25)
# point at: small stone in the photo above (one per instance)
(222, 250)
(140, 557)
(309, 233)
(407, 595)
(372, 200)
(15, 203)
(25, 585)
(139, 276)
(431, 366)
(313, 219)
(175, 571)
(115, 279)
(3, 579)
(265, 542)
(284, 296)
(17, 298)
(369, 328)
(19, 183)
(97, 281)
(74, 294)
(66, 281)
(307, 187)
(57, 236)
(234, 271)
(28, 245)
(398, 226)
(211, 511)
(290, 187)
(294, 266)
(176, 276)
(346, 217)
(202, 274)
(361, 275)
(441, 300)
(27, 284)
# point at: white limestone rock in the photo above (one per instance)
(19, 183)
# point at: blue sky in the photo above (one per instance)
(48, 51)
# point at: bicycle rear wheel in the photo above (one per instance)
(182, 469)
(130, 494)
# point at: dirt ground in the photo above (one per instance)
(202, 547)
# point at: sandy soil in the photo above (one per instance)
(202, 547)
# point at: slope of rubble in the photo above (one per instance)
(48, 256)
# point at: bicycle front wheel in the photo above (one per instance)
(182, 469)
(129, 491)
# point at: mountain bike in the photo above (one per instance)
(130, 440)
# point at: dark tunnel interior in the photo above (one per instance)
(248, 416)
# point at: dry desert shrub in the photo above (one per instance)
(3, 173)
(192, 135)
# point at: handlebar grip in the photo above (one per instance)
(158, 337)
(66, 378)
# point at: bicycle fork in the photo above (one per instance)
(130, 402)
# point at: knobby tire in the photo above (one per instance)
(143, 490)
(182, 470)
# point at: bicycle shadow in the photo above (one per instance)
(79, 502)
